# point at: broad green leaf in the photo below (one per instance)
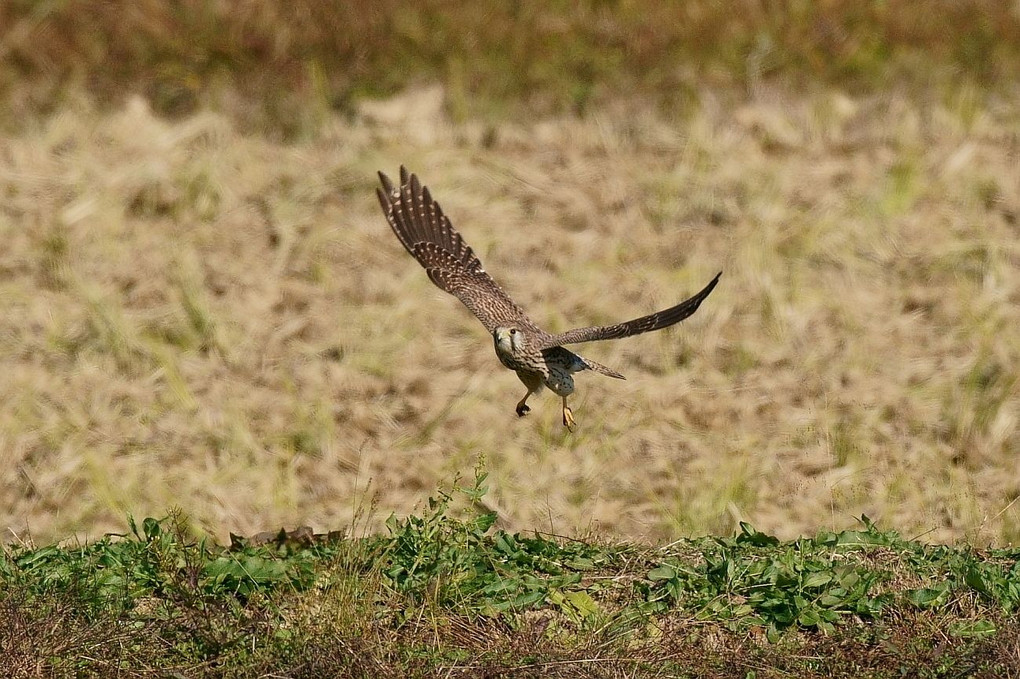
(583, 602)
(663, 572)
(973, 628)
(817, 579)
(926, 597)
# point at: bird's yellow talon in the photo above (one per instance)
(568, 417)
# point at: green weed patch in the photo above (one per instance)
(448, 589)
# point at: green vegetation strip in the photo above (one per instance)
(446, 589)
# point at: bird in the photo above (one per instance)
(538, 357)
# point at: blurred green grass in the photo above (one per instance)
(280, 66)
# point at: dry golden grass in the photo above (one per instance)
(199, 317)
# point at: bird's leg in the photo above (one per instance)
(522, 406)
(568, 416)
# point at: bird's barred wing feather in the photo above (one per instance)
(656, 321)
(426, 233)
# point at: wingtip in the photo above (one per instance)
(707, 290)
(387, 184)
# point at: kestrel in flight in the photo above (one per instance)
(537, 357)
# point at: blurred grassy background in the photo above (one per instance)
(202, 305)
(279, 66)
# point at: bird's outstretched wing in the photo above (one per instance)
(427, 234)
(656, 321)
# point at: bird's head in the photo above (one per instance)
(508, 340)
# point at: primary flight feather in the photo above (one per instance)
(538, 358)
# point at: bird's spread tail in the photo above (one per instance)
(599, 368)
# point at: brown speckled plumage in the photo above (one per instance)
(537, 357)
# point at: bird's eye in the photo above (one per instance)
(513, 331)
